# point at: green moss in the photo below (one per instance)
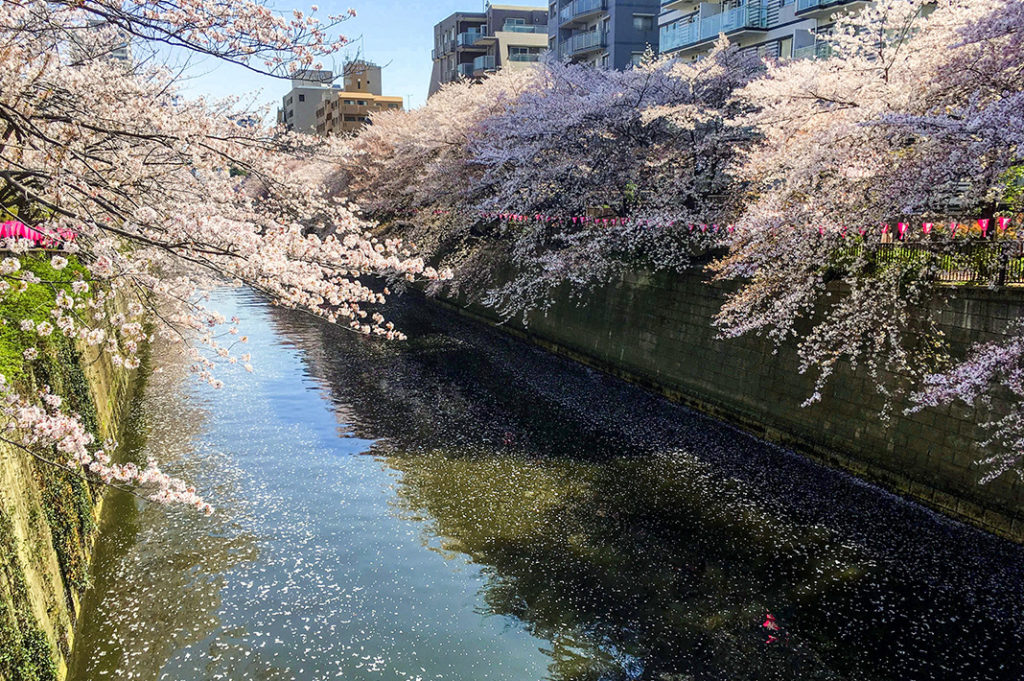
(25, 652)
(67, 500)
(34, 303)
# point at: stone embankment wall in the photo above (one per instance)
(48, 520)
(656, 330)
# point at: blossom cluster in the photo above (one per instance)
(911, 118)
(38, 428)
(162, 198)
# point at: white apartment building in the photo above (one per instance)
(786, 29)
(298, 107)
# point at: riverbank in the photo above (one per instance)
(656, 330)
(49, 517)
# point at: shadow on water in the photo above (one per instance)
(644, 541)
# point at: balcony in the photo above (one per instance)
(699, 28)
(823, 6)
(680, 5)
(680, 34)
(523, 28)
(581, 10)
(819, 50)
(465, 70)
(443, 48)
(470, 38)
(524, 57)
(806, 52)
(484, 63)
(584, 42)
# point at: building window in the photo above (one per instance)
(302, 98)
(786, 48)
(362, 102)
(643, 22)
(636, 58)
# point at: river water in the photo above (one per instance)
(463, 506)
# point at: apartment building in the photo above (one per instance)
(471, 44)
(101, 40)
(299, 106)
(605, 33)
(786, 29)
(347, 110)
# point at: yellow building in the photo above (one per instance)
(347, 110)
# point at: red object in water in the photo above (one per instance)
(770, 623)
(771, 639)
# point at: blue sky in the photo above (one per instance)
(398, 34)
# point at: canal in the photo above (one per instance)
(464, 506)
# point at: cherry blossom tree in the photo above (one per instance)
(914, 118)
(557, 141)
(166, 197)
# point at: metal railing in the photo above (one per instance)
(582, 42)
(679, 34)
(523, 28)
(468, 38)
(698, 28)
(465, 70)
(484, 63)
(968, 262)
(581, 7)
(529, 56)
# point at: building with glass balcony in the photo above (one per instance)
(607, 33)
(472, 44)
(784, 29)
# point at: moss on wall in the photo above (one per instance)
(47, 515)
(25, 652)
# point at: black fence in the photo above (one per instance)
(966, 262)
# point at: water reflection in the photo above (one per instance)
(521, 518)
(643, 541)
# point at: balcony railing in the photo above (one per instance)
(579, 8)
(806, 52)
(584, 42)
(679, 34)
(697, 29)
(807, 5)
(523, 28)
(820, 50)
(524, 56)
(484, 63)
(465, 70)
(468, 38)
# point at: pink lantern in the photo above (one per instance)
(983, 224)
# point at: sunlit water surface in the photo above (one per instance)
(466, 507)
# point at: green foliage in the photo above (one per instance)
(25, 652)
(34, 303)
(67, 500)
(1014, 195)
